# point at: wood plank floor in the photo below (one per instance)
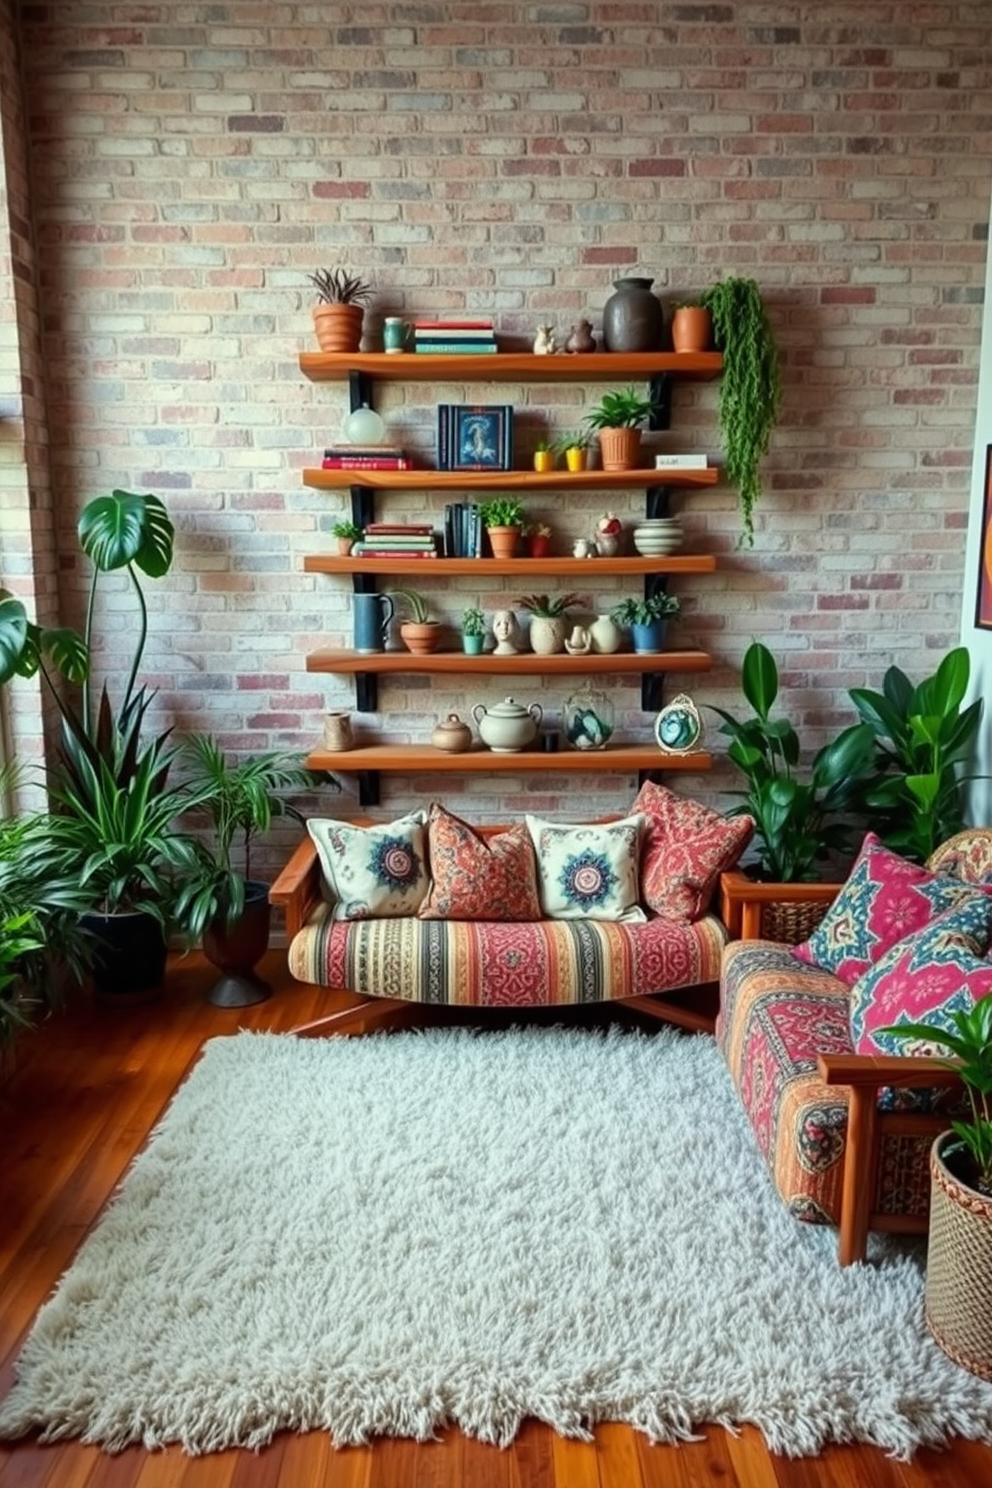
(84, 1092)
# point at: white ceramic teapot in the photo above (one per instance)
(508, 726)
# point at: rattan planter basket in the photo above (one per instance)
(959, 1267)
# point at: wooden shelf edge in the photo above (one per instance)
(685, 563)
(507, 366)
(403, 758)
(514, 480)
(526, 664)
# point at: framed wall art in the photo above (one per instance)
(983, 601)
(475, 436)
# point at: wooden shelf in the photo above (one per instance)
(507, 480)
(407, 758)
(525, 664)
(486, 568)
(511, 366)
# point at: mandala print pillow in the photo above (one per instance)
(884, 899)
(372, 872)
(588, 872)
(685, 848)
(478, 878)
(940, 970)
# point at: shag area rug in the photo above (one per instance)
(388, 1234)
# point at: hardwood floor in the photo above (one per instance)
(82, 1097)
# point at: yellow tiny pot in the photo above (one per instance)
(544, 460)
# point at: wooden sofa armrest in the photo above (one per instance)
(743, 901)
(873, 1071)
(297, 887)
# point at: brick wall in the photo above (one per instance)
(191, 163)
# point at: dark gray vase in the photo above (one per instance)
(633, 319)
(236, 949)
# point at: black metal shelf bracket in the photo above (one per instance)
(368, 787)
(367, 692)
(662, 384)
(359, 390)
(652, 691)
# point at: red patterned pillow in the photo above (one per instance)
(685, 848)
(885, 898)
(940, 970)
(478, 878)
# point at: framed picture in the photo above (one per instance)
(475, 436)
(983, 602)
(678, 729)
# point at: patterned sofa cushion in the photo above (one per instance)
(776, 1016)
(488, 964)
(478, 878)
(685, 848)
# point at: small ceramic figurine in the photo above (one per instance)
(544, 342)
(608, 530)
(581, 338)
(583, 547)
(579, 642)
(506, 630)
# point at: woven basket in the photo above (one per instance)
(959, 1268)
(791, 924)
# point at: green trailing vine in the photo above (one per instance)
(750, 388)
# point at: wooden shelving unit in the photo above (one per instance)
(525, 664)
(511, 366)
(506, 568)
(507, 480)
(402, 759)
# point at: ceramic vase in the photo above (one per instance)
(692, 328)
(605, 635)
(633, 319)
(547, 634)
(503, 541)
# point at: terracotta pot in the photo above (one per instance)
(620, 449)
(692, 328)
(338, 327)
(420, 638)
(503, 541)
(344, 545)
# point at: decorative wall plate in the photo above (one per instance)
(678, 728)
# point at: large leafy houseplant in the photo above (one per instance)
(798, 823)
(923, 735)
(750, 388)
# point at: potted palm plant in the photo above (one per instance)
(959, 1256)
(750, 388)
(419, 633)
(220, 903)
(548, 625)
(618, 418)
(340, 310)
(648, 619)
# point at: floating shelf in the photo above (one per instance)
(485, 568)
(524, 664)
(507, 480)
(511, 366)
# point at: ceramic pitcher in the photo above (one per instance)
(373, 613)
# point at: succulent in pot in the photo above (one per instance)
(347, 533)
(549, 625)
(420, 634)
(473, 630)
(618, 418)
(339, 313)
(647, 618)
(503, 518)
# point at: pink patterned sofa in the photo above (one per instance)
(394, 961)
(846, 1136)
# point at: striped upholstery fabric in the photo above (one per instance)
(776, 1015)
(488, 964)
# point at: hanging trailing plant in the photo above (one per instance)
(750, 388)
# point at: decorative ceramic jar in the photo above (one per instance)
(692, 328)
(633, 319)
(337, 731)
(605, 635)
(588, 718)
(547, 634)
(581, 338)
(508, 726)
(658, 536)
(452, 735)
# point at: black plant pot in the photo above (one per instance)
(237, 949)
(129, 956)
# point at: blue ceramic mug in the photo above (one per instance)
(373, 613)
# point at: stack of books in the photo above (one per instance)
(396, 540)
(454, 337)
(462, 530)
(366, 457)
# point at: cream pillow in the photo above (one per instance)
(588, 871)
(372, 872)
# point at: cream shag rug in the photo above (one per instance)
(383, 1235)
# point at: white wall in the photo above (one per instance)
(979, 642)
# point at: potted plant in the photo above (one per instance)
(340, 309)
(575, 447)
(473, 631)
(419, 633)
(220, 903)
(503, 518)
(347, 533)
(958, 1289)
(544, 456)
(923, 736)
(549, 625)
(750, 388)
(798, 823)
(648, 619)
(618, 419)
(692, 327)
(536, 539)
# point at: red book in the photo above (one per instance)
(362, 462)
